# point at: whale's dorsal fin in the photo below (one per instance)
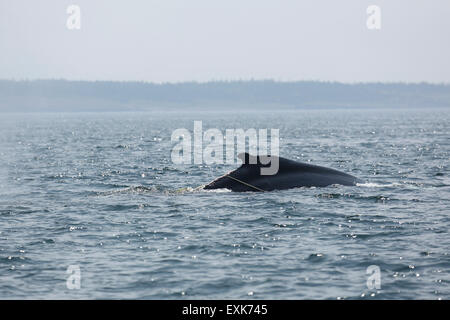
(260, 160)
(246, 158)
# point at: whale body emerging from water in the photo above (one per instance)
(291, 174)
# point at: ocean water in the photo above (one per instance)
(99, 191)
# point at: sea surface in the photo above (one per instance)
(95, 197)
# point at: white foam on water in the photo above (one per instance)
(222, 190)
(378, 185)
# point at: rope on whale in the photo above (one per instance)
(245, 183)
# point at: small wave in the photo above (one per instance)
(183, 190)
(132, 189)
(315, 257)
(154, 189)
(376, 198)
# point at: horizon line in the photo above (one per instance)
(233, 81)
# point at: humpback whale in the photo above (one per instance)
(291, 174)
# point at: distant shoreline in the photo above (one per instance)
(116, 96)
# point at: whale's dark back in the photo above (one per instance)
(291, 174)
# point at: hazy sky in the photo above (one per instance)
(182, 40)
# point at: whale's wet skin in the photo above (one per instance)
(289, 174)
(99, 191)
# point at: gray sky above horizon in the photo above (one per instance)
(203, 40)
